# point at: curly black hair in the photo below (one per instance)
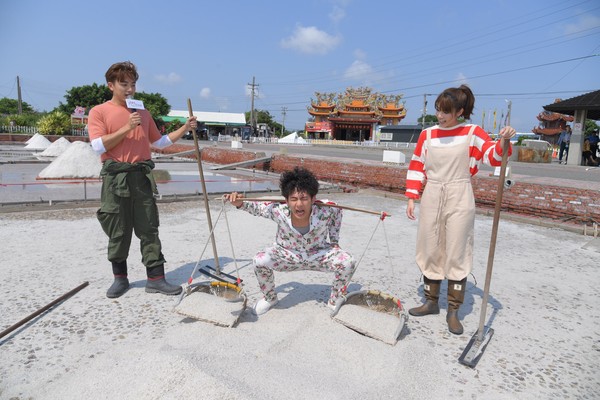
(301, 180)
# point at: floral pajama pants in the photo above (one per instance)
(277, 258)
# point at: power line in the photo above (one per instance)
(493, 73)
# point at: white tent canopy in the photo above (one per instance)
(292, 138)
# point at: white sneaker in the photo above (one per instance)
(262, 306)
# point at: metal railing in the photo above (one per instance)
(326, 142)
(32, 130)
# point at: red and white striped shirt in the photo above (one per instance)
(481, 149)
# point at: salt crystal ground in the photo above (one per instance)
(543, 307)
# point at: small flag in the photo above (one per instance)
(483, 120)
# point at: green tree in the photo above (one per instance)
(11, 106)
(89, 96)
(155, 103)
(173, 125)
(263, 116)
(86, 96)
(55, 123)
(589, 127)
(429, 120)
(21, 119)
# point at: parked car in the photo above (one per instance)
(200, 132)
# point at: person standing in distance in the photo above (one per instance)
(123, 138)
(563, 141)
(446, 156)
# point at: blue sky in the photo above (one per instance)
(526, 52)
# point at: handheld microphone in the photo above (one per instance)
(134, 104)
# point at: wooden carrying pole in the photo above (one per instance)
(275, 200)
(43, 309)
(204, 193)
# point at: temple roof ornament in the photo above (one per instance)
(359, 103)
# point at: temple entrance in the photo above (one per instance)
(354, 133)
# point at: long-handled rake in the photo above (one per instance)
(478, 343)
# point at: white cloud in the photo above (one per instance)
(311, 40)
(205, 93)
(168, 79)
(462, 79)
(584, 23)
(360, 54)
(362, 72)
(222, 103)
(359, 71)
(337, 14)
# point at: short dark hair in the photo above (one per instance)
(121, 70)
(299, 179)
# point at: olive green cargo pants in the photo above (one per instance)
(128, 205)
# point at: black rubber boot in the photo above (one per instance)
(158, 284)
(121, 283)
(432, 294)
(456, 296)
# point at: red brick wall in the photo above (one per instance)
(216, 155)
(562, 204)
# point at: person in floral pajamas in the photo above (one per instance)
(306, 239)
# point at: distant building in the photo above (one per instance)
(353, 115)
(217, 123)
(263, 130)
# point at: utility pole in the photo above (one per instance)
(283, 112)
(508, 113)
(424, 109)
(20, 100)
(252, 116)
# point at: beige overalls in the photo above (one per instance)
(447, 213)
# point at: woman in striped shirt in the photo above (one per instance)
(446, 157)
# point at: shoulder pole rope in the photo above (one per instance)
(382, 216)
(187, 286)
(205, 195)
(204, 249)
(237, 271)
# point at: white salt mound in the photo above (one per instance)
(56, 148)
(38, 142)
(77, 161)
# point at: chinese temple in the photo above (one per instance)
(352, 115)
(551, 124)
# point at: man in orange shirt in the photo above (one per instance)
(123, 137)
